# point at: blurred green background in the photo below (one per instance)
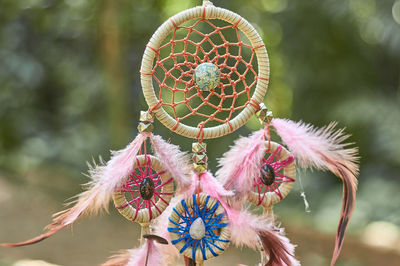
(70, 91)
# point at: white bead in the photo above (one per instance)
(197, 229)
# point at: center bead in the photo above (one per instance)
(267, 175)
(197, 229)
(206, 76)
(147, 188)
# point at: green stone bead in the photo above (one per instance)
(206, 76)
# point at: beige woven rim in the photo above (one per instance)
(209, 12)
(143, 215)
(290, 170)
(224, 232)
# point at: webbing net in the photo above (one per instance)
(132, 188)
(191, 44)
(277, 165)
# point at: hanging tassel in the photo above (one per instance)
(240, 166)
(147, 255)
(324, 149)
(174, 161)
(105, 179)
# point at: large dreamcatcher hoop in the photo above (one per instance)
(146, 192)
(172, 71)
(277, 176)
(198, 227)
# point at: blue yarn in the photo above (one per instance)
(210, 240)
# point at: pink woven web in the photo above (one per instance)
(273, 159)
(132, 186)
(188, 46)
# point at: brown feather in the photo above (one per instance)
(349, 195)
(276, 250)
(189, 261)
(35, 239)
(62, 218)
(324, 149)
(106, 178)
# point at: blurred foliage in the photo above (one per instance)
(70, 88)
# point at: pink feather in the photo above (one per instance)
(289, 247)
(120, 259)
(324, 149)
(240, 166)
(105, 179)
(211, 186)
(247, 229)
(174, 161)
(242, 224)
(244, 227)
(170, 253)
(147, 255)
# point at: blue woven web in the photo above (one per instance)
(212, 222)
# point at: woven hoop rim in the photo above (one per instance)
(272, 198)
(224, 233)
(207, 12)
(143, 215)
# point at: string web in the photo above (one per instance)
(273, 160)
(213, 223)
(186, 47)
(132, 188)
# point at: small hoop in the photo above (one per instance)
(269, 195)
(217, 234)
(143, 210)
(231, 123)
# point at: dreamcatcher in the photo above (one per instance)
(204, 73)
